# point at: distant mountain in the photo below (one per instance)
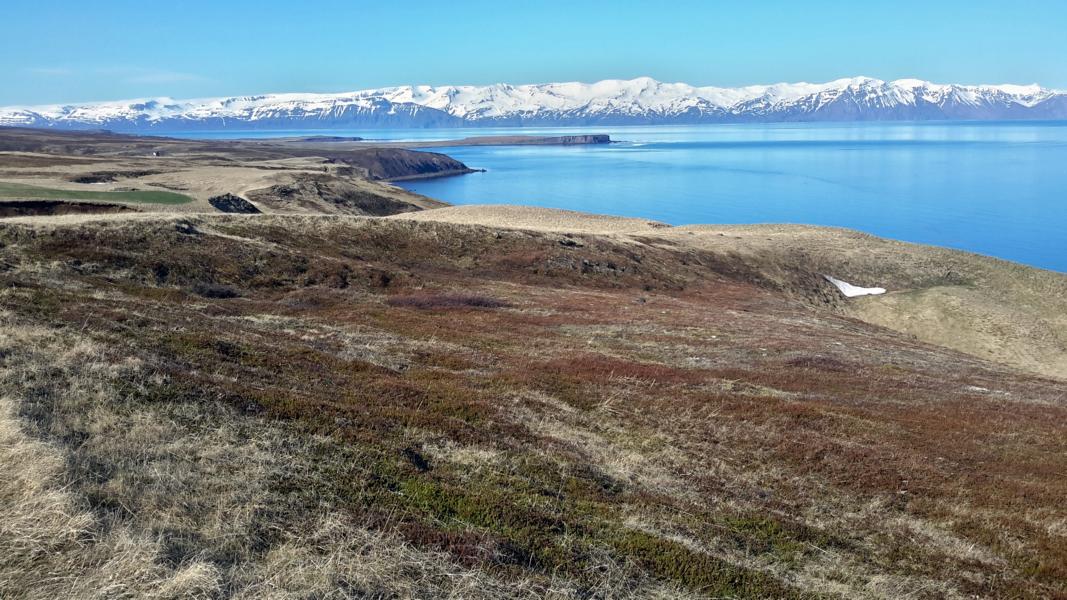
(641, 101)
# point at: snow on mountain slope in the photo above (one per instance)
(617, 102)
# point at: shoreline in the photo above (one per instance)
(121, 163)
(438, 175)
(336, 142)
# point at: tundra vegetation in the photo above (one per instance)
(334, 407)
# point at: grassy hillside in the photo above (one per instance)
(30, 192)
(277, 175)
(293, 407)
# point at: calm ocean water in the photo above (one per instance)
(993, 188)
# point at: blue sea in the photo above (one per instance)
(993, 188)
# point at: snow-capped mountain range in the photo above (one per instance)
(642, 101)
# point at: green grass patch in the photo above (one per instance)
(672, 561)
(29, 192)
(762, 535)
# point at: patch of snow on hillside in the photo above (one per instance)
(853, 291)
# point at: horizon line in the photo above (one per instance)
(432, 86)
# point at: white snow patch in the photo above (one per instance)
(852, 291)
(984, 390)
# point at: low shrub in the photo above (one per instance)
(444, 301)
(215, 291)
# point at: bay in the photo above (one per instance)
(994, 188)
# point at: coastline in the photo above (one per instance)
(928, 286)
(334, 143)
(437, 175)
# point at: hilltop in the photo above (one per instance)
(439, 404)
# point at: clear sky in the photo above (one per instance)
(80, 50)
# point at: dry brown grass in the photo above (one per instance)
(628, 425)
(51, 544)
(164, 501)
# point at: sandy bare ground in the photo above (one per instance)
(983, 306)
(537, 219)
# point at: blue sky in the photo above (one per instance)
(71, 51)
